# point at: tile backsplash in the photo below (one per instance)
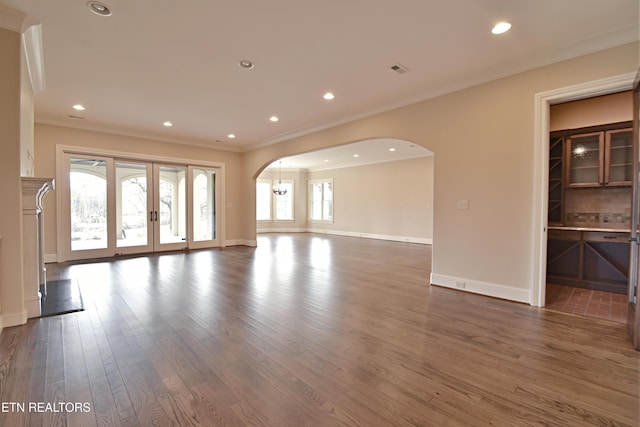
(598, 207)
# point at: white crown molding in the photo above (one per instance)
(31, 30)
(32, 44)
(560, 53)
(15, 21)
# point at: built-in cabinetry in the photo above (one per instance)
(590, 259)
(556, 180)
(590, 178)
(595, 157)
(599, 158)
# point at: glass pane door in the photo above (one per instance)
(112, 206)
(133, 207)
(204, 208)
(88, 205)
(170, 210)
(585, 160)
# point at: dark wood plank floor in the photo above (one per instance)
(309, 330)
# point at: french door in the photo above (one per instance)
(125, 206)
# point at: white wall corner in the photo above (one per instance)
(32, 44)
(32, 307)
(484, 288)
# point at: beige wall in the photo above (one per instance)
(600, 110)
(47, 137)
(386, 200)
(11, 292)
(483, 140)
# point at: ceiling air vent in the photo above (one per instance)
(399, 68)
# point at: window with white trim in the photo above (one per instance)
(263, 200)
(270, 206)
(321, 200)
(283, 204)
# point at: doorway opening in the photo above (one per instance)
(543, 101)
(377, 188)
(590, 202)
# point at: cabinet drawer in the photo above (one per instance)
(564, 234)
(601, 236)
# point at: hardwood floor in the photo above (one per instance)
(308, 330)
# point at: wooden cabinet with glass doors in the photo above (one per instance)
(599, 159)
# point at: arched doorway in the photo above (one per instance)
(377, 188)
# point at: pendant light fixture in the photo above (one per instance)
(279, 190)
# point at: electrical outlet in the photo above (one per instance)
(460, 285)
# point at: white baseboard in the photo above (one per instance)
(281, 230)
(241, 242)
(489, 289)
(408, 239)
(9, 320)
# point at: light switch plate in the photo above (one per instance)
(463, 204)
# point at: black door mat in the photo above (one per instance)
(62, 296)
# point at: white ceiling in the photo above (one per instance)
(158, 60)
(356, 154)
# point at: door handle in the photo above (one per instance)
(150, 216)
(155, 216)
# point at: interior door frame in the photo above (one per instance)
(63, 150)
(633, 317)
(542, 102)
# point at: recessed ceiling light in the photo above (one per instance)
(501, 27)
(231, 136)
(78, 107)
(326, 160)
(167, 124)
(328, 96)
(356, 155)
(274, 118)
(392, 149)
(245, 63)
(99, 8)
